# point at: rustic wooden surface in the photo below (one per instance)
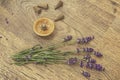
(82, 18)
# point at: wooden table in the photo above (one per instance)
(100, 18)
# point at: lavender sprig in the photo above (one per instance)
(85, 40)
(88, 49)
(99, 67)
(68, 38)
(92, 61)
(86, 74)
(98, 54)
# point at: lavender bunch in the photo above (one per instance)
(91, 64)
(51, 54)
(87, 60)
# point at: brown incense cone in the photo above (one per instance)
(59, 17)
(43, 6)
(58, 5)
(0, 36)
(37, 9)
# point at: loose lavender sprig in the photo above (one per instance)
(92, 60)
(88, 49)
(85, 40)
(99, 67)
(98, 54)
(86, 74)
(68, 38)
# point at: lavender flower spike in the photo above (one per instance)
(87, 57)
(81, 64)
(92, 61)
(89, 65)
(85, 40)
(68, 38)
(88, 49)
(98, 54)
(72, 61)
(86, 74)
(99, 67)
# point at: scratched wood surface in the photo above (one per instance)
(100, 18)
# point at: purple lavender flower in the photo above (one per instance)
(85, 39)
(81, 64)
(87, 56)
(92, 61)
(72, 61)
(98, 54)
(88, 49)
(68, 38)
(86, 74)
(88, 38)
(81, 40)
(99, 67)
(89, 65)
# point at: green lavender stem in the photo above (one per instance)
(41, 55)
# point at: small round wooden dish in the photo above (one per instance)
(43, 27)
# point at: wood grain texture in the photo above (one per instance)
(82, 18)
